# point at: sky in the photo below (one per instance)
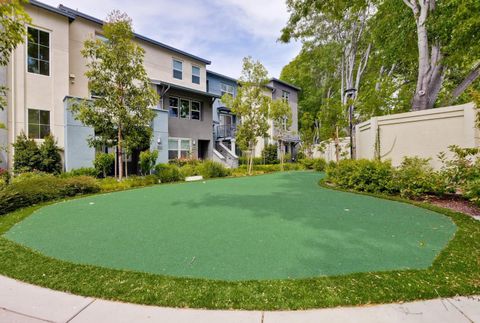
(222, 31)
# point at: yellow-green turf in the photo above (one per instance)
(276, 226)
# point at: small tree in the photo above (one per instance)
(333, 122)
(270, 154)
(281, 114)
(50, 158)
(148, 159)
(308, 133)
(117, 76)
(27, 155)
(103, 163)
(252, 106)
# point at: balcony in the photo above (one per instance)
(225, 131)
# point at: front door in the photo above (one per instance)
(203, 146)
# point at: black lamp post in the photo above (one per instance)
(350, 93)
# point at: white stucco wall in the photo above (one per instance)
(421, 133)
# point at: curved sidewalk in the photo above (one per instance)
(25, 303)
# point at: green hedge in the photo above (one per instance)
(318, 164)
(168, 173)
(30, 190)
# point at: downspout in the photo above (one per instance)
(13, 112)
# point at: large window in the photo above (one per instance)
(38, 123)
(38, 51)
(226, 88)
(196, 110)
(179, 148)
(173, 107)
(184, 109)
(177, 69)
(196, 74)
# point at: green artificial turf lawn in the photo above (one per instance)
(275, 226)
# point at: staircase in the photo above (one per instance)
(223, 154)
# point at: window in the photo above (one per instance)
(173, 107)
(38, 123)
(184, 109)
(38, 51)
(178, 148)
(195, 74)
(285, 96)
(226, 88)
(177, 69)
(196, 115)
(225, 120)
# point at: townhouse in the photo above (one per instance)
(46, 74)
(225, 122)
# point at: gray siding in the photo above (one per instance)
(160, 133)
(214, 87)
(293, 101)
(192, 129)
(77, 151)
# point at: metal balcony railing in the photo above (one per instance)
(225, 131)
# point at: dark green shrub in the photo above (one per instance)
(184, 161)
(148, 159)
(211, 169)
(50, 158)
(270, 155)
(362, 175)
(27, 155)
(415, 177)
(103, 163)
(37, 189)
(471, 191)
(318, 164)
(4, 177)
(83, 171)
(168, 173)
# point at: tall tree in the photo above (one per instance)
(13, 20)
(308, 133)
(252, 106)
(281, 115)
(118, 78)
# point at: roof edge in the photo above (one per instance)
(273, 79)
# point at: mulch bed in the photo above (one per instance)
(455, 203)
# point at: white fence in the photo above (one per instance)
(421, 133)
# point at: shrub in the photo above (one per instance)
(50, 158)
(269, 155)
(103, 163)
(147, 161)
(462, 168)
(110, 184)
(35, 189)
(362, 175)
(256, 161)
(189, 170)
(211, 169)
(415, 177)
(318, 164)
(471, 190)
(27, 155)
(83, 171)
(184, 161)
(30, 176)
(168, 173)
(4, 177)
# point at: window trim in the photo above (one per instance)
(39, 124)
(50, 60)
(174, 69)
(227, 86)
(189, 116)
(179, 149)
(199, 74)
(178, 107)
(287, 97)
(199, 110)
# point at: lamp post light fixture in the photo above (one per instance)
(350, 93)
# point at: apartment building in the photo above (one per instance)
(47, 72)
(225, 122)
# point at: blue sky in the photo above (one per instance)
(223, 31)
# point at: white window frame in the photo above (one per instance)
(50, 59)
(175, 69)
(199, 74)
(179, 149)
(229, 89)
(199, 110)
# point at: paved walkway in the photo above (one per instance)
(24, 303)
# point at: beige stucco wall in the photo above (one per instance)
(158, 61)
(422, 133)
(327, 150)
(35, 91)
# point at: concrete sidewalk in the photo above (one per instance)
(21, 302)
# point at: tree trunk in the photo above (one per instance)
(471, 77)
(250, 159)
(337, 145)
(281, 155)
(120, 154)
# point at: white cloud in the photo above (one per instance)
(223, 31)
